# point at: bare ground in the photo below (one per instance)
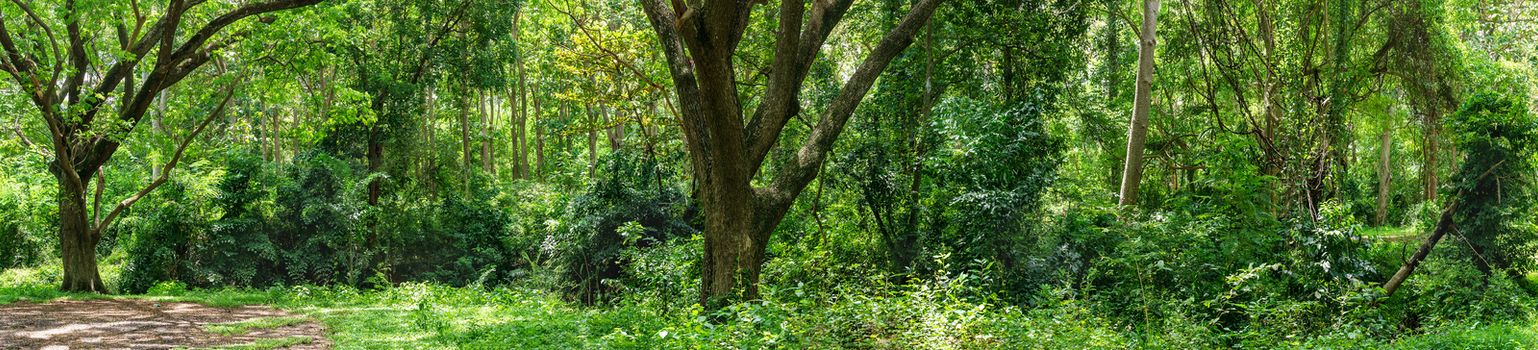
(137, 324)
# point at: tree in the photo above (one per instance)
(1137, 132)
(73, 86)
(699, 40)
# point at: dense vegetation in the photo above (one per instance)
(798, 174)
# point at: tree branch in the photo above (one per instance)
(664, 23)
(803, 168)
(793, 60)
(165, 171)
(58, 62)
(77, 57)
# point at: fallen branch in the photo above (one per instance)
(1443, 225)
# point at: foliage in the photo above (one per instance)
(627, 207)
(507, 173)
(1495, 181)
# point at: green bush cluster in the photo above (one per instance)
(256, 223)
(629, 209)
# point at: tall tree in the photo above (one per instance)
(1385, 174)
(1137, 132)
(74, 84)
(700, 40)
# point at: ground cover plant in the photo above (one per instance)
(862, 174)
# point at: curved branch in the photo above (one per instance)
(803, 167)
(165, 171)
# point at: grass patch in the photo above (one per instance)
(1488, 336)
(241, 327)
(1388, 232)
(430, 316)
(268, 344)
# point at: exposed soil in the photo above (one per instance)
(137, 324)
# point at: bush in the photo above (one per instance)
(630, 206)
(1495, 181)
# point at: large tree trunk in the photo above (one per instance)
(1385, 176)
(1137, 132)
(78, 239)
(730, 266)
(699, 41)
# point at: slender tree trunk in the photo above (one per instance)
(486, 106)
(464, 137)
(1137, 132)
(375, 164)
(1112, 66)
(1272, 110)
(539, 141)
(616, 133)
(277, 145)
(592, 143)
(523, 137)
(1444, 225)
(1385, 176)
(522, 144)
(431, 122)
(519, 105)
(1433, 125)
(157, 124)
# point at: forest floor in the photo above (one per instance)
(34, 314)
(149, 324)
(1391, 234)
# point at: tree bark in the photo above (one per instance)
(1269, 106)
(78, 239)
(1443, 225)
(1112, 67)
(1433, 124)
(521, 145)
(592, 143)
(487, 115)
(1385, 176)
(699, 41)
(539, 142)
(1137, 132)
(464, 138)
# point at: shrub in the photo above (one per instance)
(630, 205)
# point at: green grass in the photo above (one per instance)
(1388, 232)
(241, 327)
(429, 316)
(268, 344)
(1496, 336)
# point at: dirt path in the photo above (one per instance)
(139, 324)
